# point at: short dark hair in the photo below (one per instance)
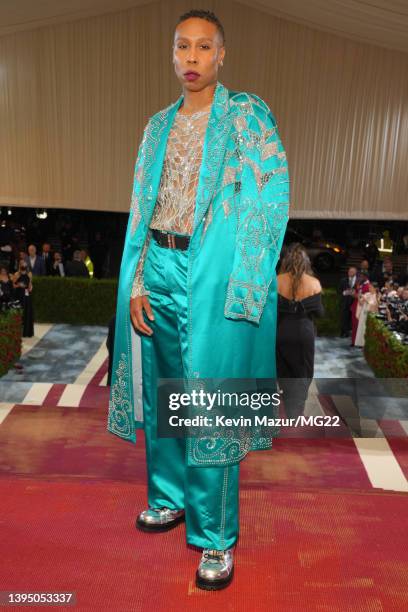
(208, 16)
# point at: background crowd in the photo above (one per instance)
(20, 263)
(373, 288)
(33, 245)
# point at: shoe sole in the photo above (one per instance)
(213, 585)
(159, 528)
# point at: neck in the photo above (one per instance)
(195, 101)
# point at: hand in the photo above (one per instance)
(137, 305)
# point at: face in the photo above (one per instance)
(197, 47)
(405, 294)
(388, 265)
(46, 247)
(32, 250)
(364, 264)
(352, 272)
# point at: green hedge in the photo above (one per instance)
(10, 338)
(80, 301)
(329, 325)
(85, 301)
(387, 357)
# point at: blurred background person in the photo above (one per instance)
(57, 268)
(346, 290)
(22, 283)
(6, 287)
(22, 256)
(368, 303)
(299, 300)
(362, 286)
(384, 272)
(76, 267)
(48, 257)
(87, 261)
(365, 267)
(35, 263)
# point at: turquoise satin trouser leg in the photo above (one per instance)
(208, 494)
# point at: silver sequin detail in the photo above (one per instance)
(175, 205)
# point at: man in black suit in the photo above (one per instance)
(346, 290)
(34, 262)
(76, 267)
(48, 258)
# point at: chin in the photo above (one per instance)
(190, 83)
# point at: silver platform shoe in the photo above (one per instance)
(216, 569)
(159, 519)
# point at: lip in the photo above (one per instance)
(191, 75)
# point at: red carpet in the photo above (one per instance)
(297, 550)
(315, 534)
(51, 440)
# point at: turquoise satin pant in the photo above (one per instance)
(209, 495)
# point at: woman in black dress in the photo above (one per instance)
(22, 290)
(299, 300)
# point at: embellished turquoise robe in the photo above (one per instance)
(241, 214)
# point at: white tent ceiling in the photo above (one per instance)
(379, 22)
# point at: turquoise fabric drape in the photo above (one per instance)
(240, 220)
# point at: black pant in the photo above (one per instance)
(345, 311)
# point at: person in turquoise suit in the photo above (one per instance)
(197, 294)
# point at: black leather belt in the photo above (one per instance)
(171, 241)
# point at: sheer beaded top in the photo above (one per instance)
(174, 209)
(175, 205)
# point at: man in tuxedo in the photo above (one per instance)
(35, 263)
(346, 290)
(48, 257)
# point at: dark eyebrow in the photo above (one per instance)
(186, 38)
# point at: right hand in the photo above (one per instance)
(137, 305)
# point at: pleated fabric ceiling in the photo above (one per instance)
(79, 79)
